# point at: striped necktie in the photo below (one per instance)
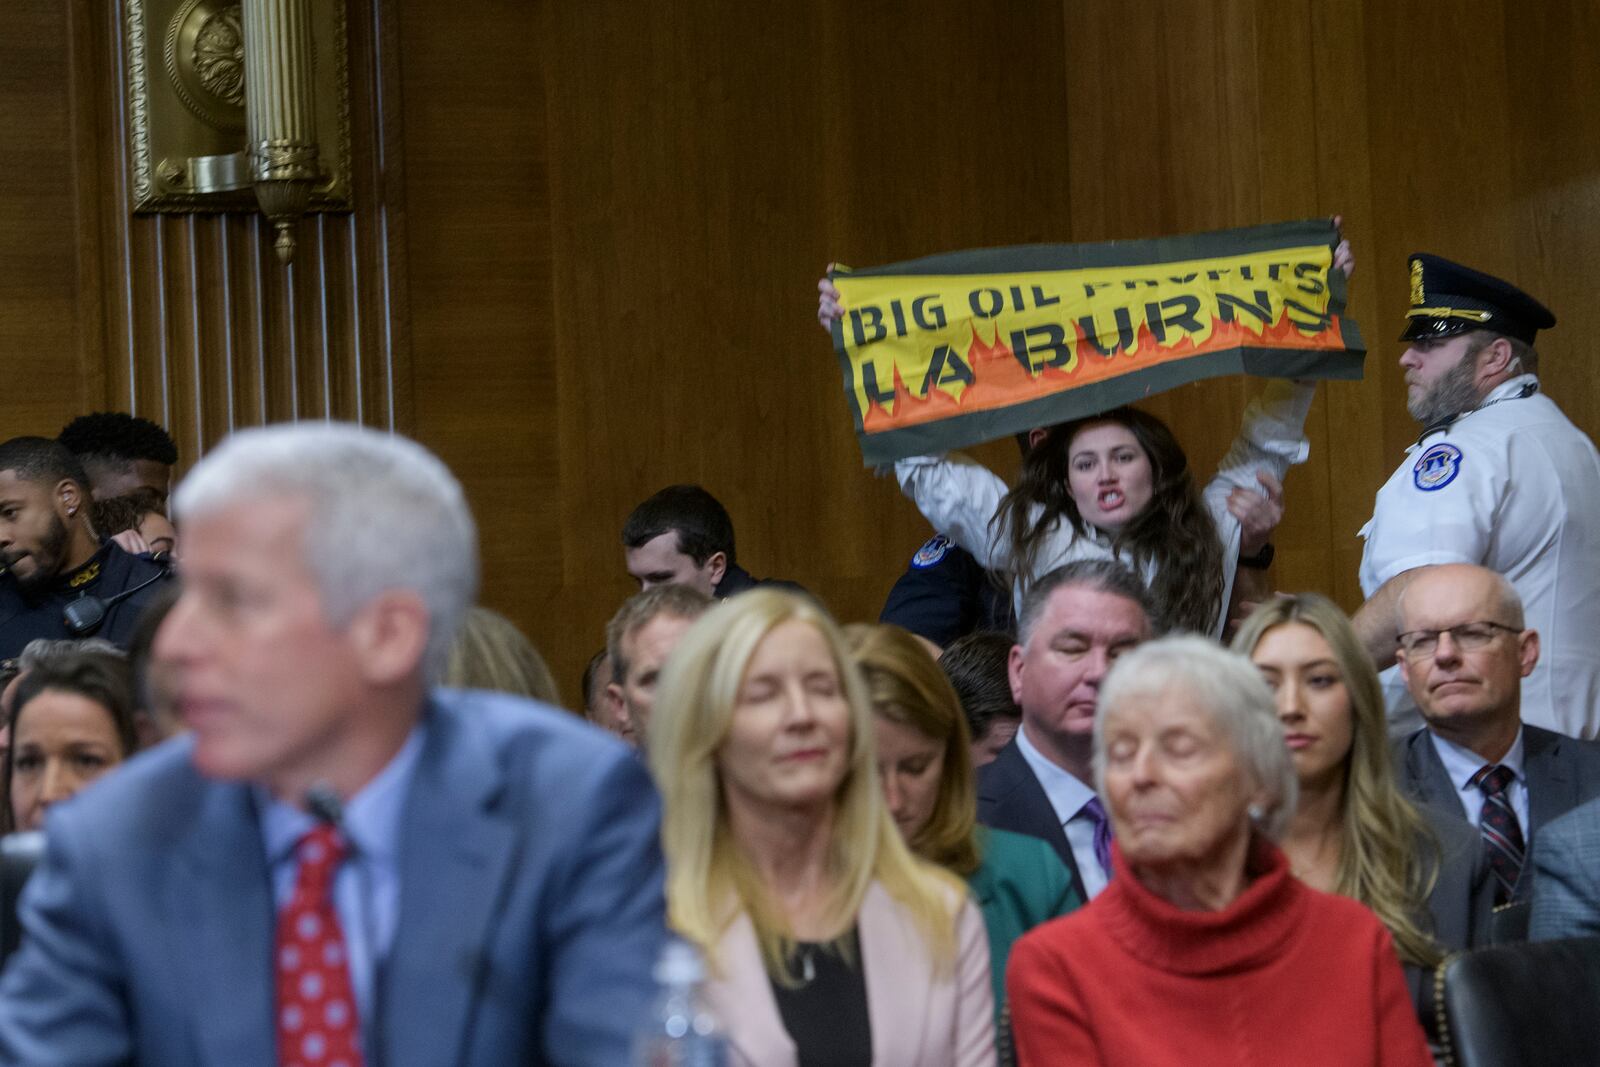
(1502, 835)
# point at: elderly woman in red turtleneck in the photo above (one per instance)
(1204, 951)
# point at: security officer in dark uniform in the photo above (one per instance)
(59, 581)
(944, 594)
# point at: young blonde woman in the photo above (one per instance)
(829, 942)
(925, 763)
(1354, 833)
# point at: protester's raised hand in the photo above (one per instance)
(1343, 257)
(1258, 513)
(829, 309)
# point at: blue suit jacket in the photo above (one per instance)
(531, 908)
(1566, 876)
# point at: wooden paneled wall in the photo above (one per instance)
(586, 238)
(190, 319)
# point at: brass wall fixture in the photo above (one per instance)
(238, 104)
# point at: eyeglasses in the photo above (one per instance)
(1468, 637)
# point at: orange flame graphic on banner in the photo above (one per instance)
(999, 379)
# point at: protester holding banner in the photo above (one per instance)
(1099, 485)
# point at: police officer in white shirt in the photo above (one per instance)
(1499, 478)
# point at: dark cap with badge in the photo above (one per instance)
(1447, 299)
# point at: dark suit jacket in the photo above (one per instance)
(531, 908)
(1011, 798)
(1562, 772)
(736, 580)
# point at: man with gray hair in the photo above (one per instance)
(639, 638)
(1464, 651)
(339, 864)
(1074, 623)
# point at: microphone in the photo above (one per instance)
(84, 615)
(325, 805)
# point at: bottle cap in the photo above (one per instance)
(679, 964)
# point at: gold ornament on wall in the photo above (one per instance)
(239, 106)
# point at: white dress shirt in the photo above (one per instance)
(1068, 796)
(1462, 763)
(366, 887)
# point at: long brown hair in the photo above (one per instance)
(1389, 857)
(906, 685)
(1174, 533)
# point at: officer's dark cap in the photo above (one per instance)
(1447, 299)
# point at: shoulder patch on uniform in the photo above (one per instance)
(1437, 467)
(932, 551)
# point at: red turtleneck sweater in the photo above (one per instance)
(1283, 975)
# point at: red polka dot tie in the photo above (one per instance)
(317, 1020)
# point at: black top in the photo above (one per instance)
(826, 1014)
(736, 580)
(108, 572)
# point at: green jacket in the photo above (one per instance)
(1020, 884)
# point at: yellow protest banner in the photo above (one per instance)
(964, 347)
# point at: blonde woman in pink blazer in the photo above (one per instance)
(830, 944)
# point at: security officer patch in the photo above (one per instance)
(931, 552)
(1437, 467)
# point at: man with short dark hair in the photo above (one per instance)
(978, 666)
(682, 536)
(54, 561)
(1074, 623)
(1464, 649)
(639, 639)
(122, 453)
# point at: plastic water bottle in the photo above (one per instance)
(681, 1031)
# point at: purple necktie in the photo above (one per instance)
(1102, 833)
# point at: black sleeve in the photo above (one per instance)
(940, 595)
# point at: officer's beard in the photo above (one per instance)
(48, 558)
(1455, 392)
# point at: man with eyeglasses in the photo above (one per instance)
(1499, 477)
(1463, 651)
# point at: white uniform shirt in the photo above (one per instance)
(959, 496)
(1513, 486)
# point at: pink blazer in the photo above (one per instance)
(917, 1020)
